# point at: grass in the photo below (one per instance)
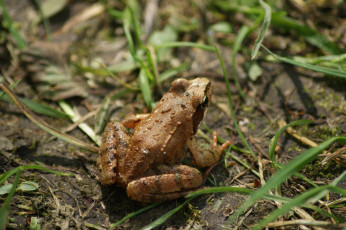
(5, 207)
(146, 61)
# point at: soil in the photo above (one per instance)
(282, 92)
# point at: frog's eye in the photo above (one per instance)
(205, 102)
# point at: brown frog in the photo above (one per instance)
(147, 162)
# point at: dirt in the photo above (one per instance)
(79, 201)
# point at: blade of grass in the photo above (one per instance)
(241, 35)
(273, 142)
(220, 190)
(296, 202)
(145, 89)
(133, 12)
(121, 82)
(83, 126)
(330, 61)
(5, 208)
(328, 71)
(184, 44)
(312, 36)
(335, 182)
(8, 174)
(113, 226)
(127, 29)
(165, 217)
(231, 106)
(43, 125)
(247, 191)
(37, 107)
(264, 28)
(173, 72)
(102, 114)
(280, 20)
(145, 76)
(14, 32)
(288, 170)
(44, 18)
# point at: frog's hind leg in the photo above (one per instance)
(112, 152)
(171, 183)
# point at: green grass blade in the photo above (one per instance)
(288, 170)
(220, 189)
(44, 125)
(247, 191)
(113, 226)
(264, 28)
(312, 36)
(165, 217)
(143, 82)
(14, 32)
(83, 126)
(242, 33)
(173, 72)
(274, 140)
(280, 20)
(230, 103)
(332, 72)
(8, 174)
(45, 15)
(5, 208)
(37, 107)
(335, 182)
(127, 31)
(296, 202)
(184, 44)
(134, 9)
(102, 115)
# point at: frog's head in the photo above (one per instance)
(197, 93)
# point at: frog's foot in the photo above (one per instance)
(206, 158)
(172, 182)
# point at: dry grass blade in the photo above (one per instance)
(294, 134)
(323, 224)
(43, 125)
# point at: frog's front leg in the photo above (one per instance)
(171, 183)
(132, 120)
(206, 157)
(112, 151)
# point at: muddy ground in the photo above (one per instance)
(281, 92)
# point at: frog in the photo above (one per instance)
(148, 160)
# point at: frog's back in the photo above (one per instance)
(160, 138)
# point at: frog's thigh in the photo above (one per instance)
(114, 144)
(203, 157)
(169, 185)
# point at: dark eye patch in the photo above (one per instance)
(204, 103)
